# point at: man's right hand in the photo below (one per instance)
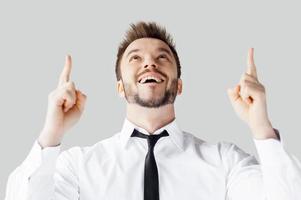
(65, 106)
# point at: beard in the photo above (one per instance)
(168, 97)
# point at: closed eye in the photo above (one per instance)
(162, 56)
(135, 57)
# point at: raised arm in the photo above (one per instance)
(278, 176)
(34, 178)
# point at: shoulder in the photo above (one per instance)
(225, 152)
(196, 142)
(81, 153)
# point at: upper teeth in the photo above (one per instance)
(151, 77)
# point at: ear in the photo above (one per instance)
(180, 86)
(120, 88)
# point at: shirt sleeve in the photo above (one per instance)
(277, 175)
(39, 174)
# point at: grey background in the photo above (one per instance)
(212, 40)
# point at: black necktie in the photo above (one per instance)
(151, 181)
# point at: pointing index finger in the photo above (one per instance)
(65, 74)
(251, 65)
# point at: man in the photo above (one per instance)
(151, 158)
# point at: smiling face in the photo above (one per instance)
(149, 74)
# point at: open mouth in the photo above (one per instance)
(150, 79)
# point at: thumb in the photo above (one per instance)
(81, 100)
(233, 93)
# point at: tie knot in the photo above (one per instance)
(151, 139)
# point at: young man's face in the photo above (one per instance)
(149, 74)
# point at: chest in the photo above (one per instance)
(181, 176)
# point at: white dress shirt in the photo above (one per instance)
(189, 168)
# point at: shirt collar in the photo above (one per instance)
(175, 133)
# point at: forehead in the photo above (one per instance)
(147, 44)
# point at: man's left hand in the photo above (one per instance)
(248, 99)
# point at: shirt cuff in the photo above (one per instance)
(271, 151)
(42, 159)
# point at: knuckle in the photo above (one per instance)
(67, 95)
(247, 75)
(69, 91)
(69, 82)
(70, 97)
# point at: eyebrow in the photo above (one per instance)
(132, 51)
(165, 50)
(160, 49)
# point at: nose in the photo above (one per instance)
(149, 62)
(152, 65)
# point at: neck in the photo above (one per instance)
(150, 119)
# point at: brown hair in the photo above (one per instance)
(145, 30)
